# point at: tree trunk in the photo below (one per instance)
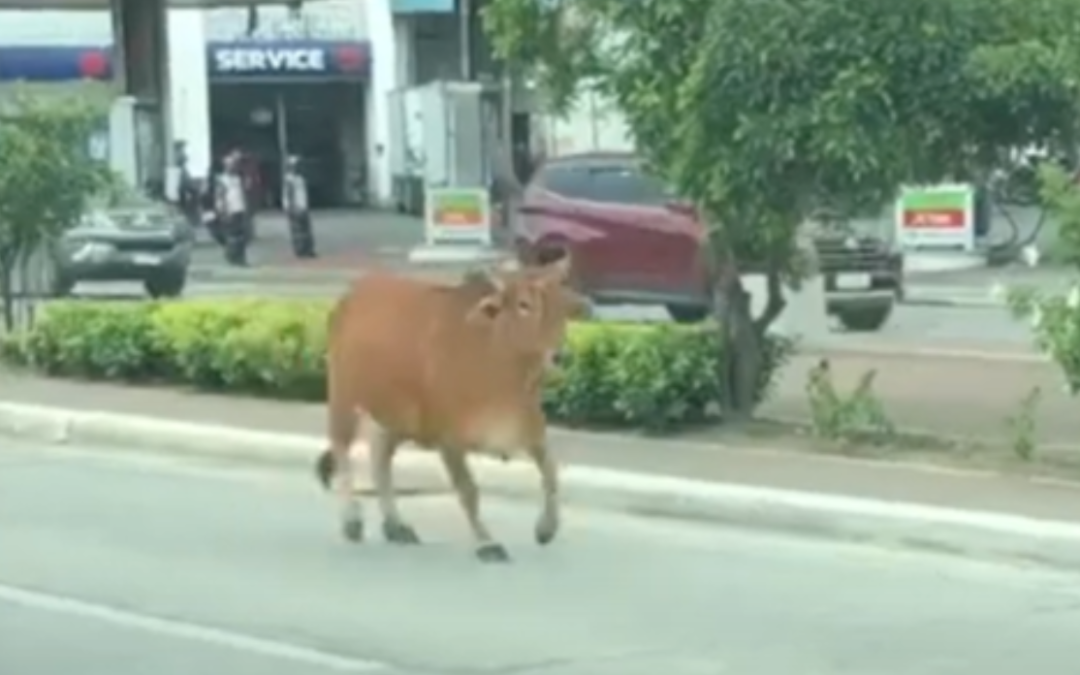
(744, 337)
(6, 272)
(742, 352)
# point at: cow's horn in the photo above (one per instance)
(495, 279)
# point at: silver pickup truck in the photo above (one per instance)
(148, 243)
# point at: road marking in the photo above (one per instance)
(184, 630)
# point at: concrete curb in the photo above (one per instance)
(273, 275)
(929, 295)
(975, 534)
(908, 352)
(321, 276)
(963, 303)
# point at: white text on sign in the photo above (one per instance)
(248, 59)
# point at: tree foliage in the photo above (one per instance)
(46, 175)
(1053, 314)
(767, 112)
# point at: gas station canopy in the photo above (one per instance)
(100, 5)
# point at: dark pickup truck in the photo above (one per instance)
(863, 277)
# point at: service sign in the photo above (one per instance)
(936, 217)
(262, 59)
(255, 59)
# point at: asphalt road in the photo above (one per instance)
(378, 234)
(342, 233)
(133, 567)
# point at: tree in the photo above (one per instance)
(47, 176)
(1054, 315)
(767, 112)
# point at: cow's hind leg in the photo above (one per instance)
(547, 526)
(382, 447)
(487, 549)
(336, 468)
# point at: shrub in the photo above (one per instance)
(1054, 316)
(113, 341)
(1055, 323)
(653, 376)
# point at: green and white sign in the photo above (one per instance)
(936, 217)
(458, 216)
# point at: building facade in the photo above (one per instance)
(313, 82)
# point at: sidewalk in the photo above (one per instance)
(710, 461)
(958, 396)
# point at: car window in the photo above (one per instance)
(625, 185)
(565, 180)
(613, 182)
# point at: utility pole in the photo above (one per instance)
(465, 39)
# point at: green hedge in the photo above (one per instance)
(653, 376)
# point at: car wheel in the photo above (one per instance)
(57, 284)
(865, 320)
(167, 284)
(688, 313)
(61, 287)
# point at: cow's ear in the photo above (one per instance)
(487, 309)
(560, 269)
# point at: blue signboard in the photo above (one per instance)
(55, 64)
(225, 60)
(301, 58)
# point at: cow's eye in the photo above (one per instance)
(524, 306)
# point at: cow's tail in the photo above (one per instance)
(342, 420)
(324, 468)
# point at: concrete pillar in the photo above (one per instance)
(386, 35)
(189, 87)
(142, 70)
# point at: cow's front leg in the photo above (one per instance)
(382, 446)
(547, 525)
(487, 549)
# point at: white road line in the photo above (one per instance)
(183, 630)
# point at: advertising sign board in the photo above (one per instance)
(936, 217)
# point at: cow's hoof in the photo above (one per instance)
(546, 529)
(545, 535)
(492, 553)
(397, 532)
(353, 530)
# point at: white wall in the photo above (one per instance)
(407, 50)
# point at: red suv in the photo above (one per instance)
(633, 243)
(630, 241)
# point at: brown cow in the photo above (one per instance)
(451, 368)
